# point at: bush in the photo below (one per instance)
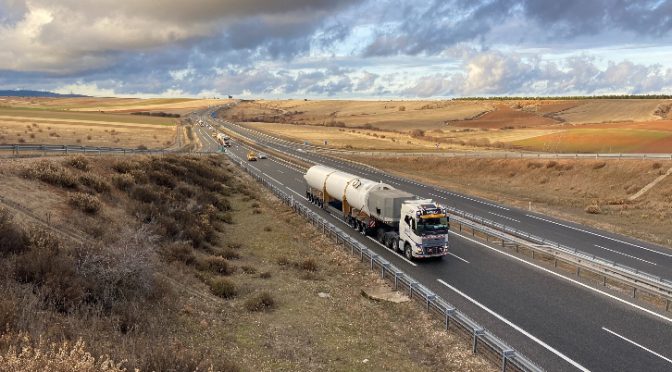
(123, 182)
(125, 166)
(593, 209)
(260, 302)
(417, 133)
(215, 264)
(52, 174)
(599, 165)
(308, 265)
(230, 254)
(94, 182)
(78, 162)
(84, 202)
(146, 194)
(265, 275)
(179, 252)
(162, 179)
(551, 164)
(12, 238)
(248, 269)
(222, 287)
(284, 261)
(656, 165)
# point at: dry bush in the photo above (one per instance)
(12, 238)
(417, 133)
(308, 264)
(534, 165)
(162, 179)
(94, 182)
(80, 162)
(248, 269)
(265, 275)
(146, 194)
(123, 182)
(268, 228)
(593, 209)
(551, 164)
(174, 357)
(284, 261)
(402, 108)
(230, 254)
(125, 166)
(599, 165)
(656, 165)
(222, 287)
(51, 173)
(31, 356)
(260, 302)
(84, 202)
(8, 313)
(180, 251)
(216, 265)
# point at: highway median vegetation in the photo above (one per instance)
(166, 267)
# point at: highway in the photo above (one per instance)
(559, 323)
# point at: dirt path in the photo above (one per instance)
(650, 185)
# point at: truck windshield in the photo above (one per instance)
(432, 226)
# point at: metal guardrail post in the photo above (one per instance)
(396, 279)
(449, 312)
(477, 333)
(410, 289)
(66, 149)
(373, 257)
(383, 266)
(506, 354)
(430, 298)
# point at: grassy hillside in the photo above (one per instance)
(183, 264)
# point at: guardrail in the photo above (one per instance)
(482, 340)
(500, 155)
(28, 150)
(637, 279)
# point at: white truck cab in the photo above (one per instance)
(423, 229)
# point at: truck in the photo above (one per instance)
(224, 140)
(403, 222)
(251, 156)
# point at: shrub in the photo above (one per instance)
(308, 265)
(593, 209)
(265, 275)
(260, 302)
(551, 164)
(248, 269)
(94, 182)
(52, 174)
(180, 251)
(162, 179)
(268, 229)
(146, 194)
(417, 133)
(656, 165)
(123, 182)
(222, 287)
(284, 261)
(8, 312)
(402, 108)
(215, 264)
(125, 166)
(230, 254)
(84, 202)
(12, 238)
(599, 165)
(78, 162)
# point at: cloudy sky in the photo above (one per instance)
(336, 48)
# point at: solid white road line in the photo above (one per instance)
(274, 179)
(638, 345)
(504, 217)
(586, 286)
(517, 328)
(598, 235)
(458, 257)
(301, 196)
(626, 255)
(391, 251)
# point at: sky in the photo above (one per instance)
(336, 49)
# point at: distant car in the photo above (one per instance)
(300, 150)
(262, 156)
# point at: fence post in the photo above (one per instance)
(410, 289)
(16, 150)
(373, 256)
(477, 332)
(430, 298)
(396, 280)
(449, 312)
(382, 269)
(66, 149)
(506, 354)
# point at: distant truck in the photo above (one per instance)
(399, 220)
(223, 139)
(251, 156)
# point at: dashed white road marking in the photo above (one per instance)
(625, 254)
(504, 217)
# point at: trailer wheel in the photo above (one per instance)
(407, 252)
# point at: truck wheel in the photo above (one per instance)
(407, 252)
(380, 234)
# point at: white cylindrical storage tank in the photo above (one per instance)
(340, 185)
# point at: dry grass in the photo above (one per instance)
(162, 301)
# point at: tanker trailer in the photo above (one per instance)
(399, 220)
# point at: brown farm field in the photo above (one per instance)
(564, 188)
(589, 125)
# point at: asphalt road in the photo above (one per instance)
(559, 323)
